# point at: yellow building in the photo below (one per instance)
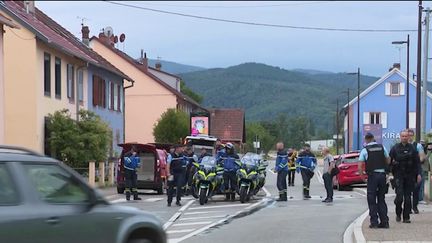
(45, 70)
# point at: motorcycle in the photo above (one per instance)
(207, 180)
(248, 178)
(262, 168)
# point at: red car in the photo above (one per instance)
(349, 175)
(152, 173)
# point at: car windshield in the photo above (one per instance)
(208, 162)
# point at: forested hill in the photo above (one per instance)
(266, 91)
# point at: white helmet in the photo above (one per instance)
(229, 146)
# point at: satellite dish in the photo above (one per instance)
(122, 37)
(108, 31)
(115, 39)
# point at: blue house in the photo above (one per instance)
(383, 107)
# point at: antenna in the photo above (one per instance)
(82, 20)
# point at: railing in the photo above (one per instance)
(100, 176)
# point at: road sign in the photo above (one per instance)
(257, 144)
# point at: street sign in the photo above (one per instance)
(257, 145)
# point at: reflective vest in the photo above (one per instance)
(282, 161)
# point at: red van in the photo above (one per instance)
(152, 173)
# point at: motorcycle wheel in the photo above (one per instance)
(194, 191)
(243, 194)
(203, 196)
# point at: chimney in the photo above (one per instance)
(396, 65)
(143, 59)
(158, 65)
(85, 31)
(30, 7)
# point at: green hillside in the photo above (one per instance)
(266, 91)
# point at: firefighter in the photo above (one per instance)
(176, 177)
(281, 167)
(131, 163)
(306, 163)
(230, 171)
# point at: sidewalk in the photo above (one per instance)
(420, 229)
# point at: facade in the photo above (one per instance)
(149, 97)
(46, 69)
(168, 78)
(383, 104)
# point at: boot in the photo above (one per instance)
(136, 196)
(128, 194)
(227, 196)
(280, 199)
(232, 197)
(285, 197)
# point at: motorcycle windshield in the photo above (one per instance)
(249, 163)
(208, 162)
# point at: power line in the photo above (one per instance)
(256, 23)
(242, 6)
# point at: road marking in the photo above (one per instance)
(221, 206)
(207, 217)
(119, 200)
(193, 223)
(180, 231)
(177, 215)
(154, 199)
(271, 171)
(203, 212)
(319, 177)
(268, 194)
(111, 196)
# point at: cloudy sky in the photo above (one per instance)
(210, 44)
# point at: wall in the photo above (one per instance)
(21, 88)
(113, 118)
(1, 88)
(144, 103)
(168, 79)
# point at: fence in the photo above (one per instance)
(99, 174)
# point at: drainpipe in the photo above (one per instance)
(124, 110)
(76, 89)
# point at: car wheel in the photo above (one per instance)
(340, 188)
(120, 190)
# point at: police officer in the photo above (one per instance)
(220, 149)
(306, 165)
(405, 165)
(131, 163)
(176, 177)
(377, 162)
(417, 194)
(281, 167)
(230, 171)
(292, 156)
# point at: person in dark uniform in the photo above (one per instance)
(190, 159)
(230, 171)
(418, 189)
(292, 156)
(377, 162)
(176, 177)
(131, 162)
(405, 166)
(281, 168)
(306, 165)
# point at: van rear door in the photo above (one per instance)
(147, 170)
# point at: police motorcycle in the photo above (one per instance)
(248, 177)
(207, 180)
(262, 168)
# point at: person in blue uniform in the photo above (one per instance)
(176, 177)
(131, 162)
(230, 164)
(306, 163)
(281, 168)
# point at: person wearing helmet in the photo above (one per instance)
(228, 159)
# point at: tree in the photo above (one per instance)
(185, 90)
(255, 129)
(171, 127)
(298, 131)
(77, 143)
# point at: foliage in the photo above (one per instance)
(185, 90)
(171, 127)
(255, 129)
(265, 92)
(77, 143)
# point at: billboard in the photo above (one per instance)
(376, 130)
(199, 125)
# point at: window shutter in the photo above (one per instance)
(118, 97)
(95, 90)
(366, 118)
(412, 120)
(103, 93)
(112, 96)
(384, 119)
(388, 89)
(402, 88)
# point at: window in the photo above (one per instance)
(116, 97)
(394, 89)
(99, 91)
(8, 193)
(57, 71)
(55, 185)
(80, 86)
(110, 95)
(47, 74)
(120, 98)
(70, 82)
(375, 118)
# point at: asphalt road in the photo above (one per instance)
(294, 221)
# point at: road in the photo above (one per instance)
(294, 221)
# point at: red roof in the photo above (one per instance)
(228, 124)
(52, 33)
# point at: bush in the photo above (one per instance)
(172, 127)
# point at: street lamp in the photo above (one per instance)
(407, 78)
(348, 120)
(358, 106)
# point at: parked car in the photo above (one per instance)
(349, 175)
(43, 201)
(152, 173)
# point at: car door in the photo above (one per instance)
(73, 217)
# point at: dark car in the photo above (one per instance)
(151, 175)
(349, 175)
(42, 201)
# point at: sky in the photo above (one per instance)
(213, 44)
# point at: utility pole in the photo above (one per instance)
(358, 109)
(348, 121)
(425, 73)
(418, 93)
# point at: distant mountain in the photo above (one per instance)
(266, 91)
(310, 71)
(175, 68)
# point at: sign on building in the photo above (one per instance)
(200, 124)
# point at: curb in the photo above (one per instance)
(354, 232)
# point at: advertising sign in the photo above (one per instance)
(199, 125)
(375, 129)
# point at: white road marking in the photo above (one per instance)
(268, 194)
(319, 177)
(119, 200)
(221, 206)
(207, 217)
(111, 196)
(180, 231)
(203, 212)
(193, 223)
(177, 215)
(153, 199)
